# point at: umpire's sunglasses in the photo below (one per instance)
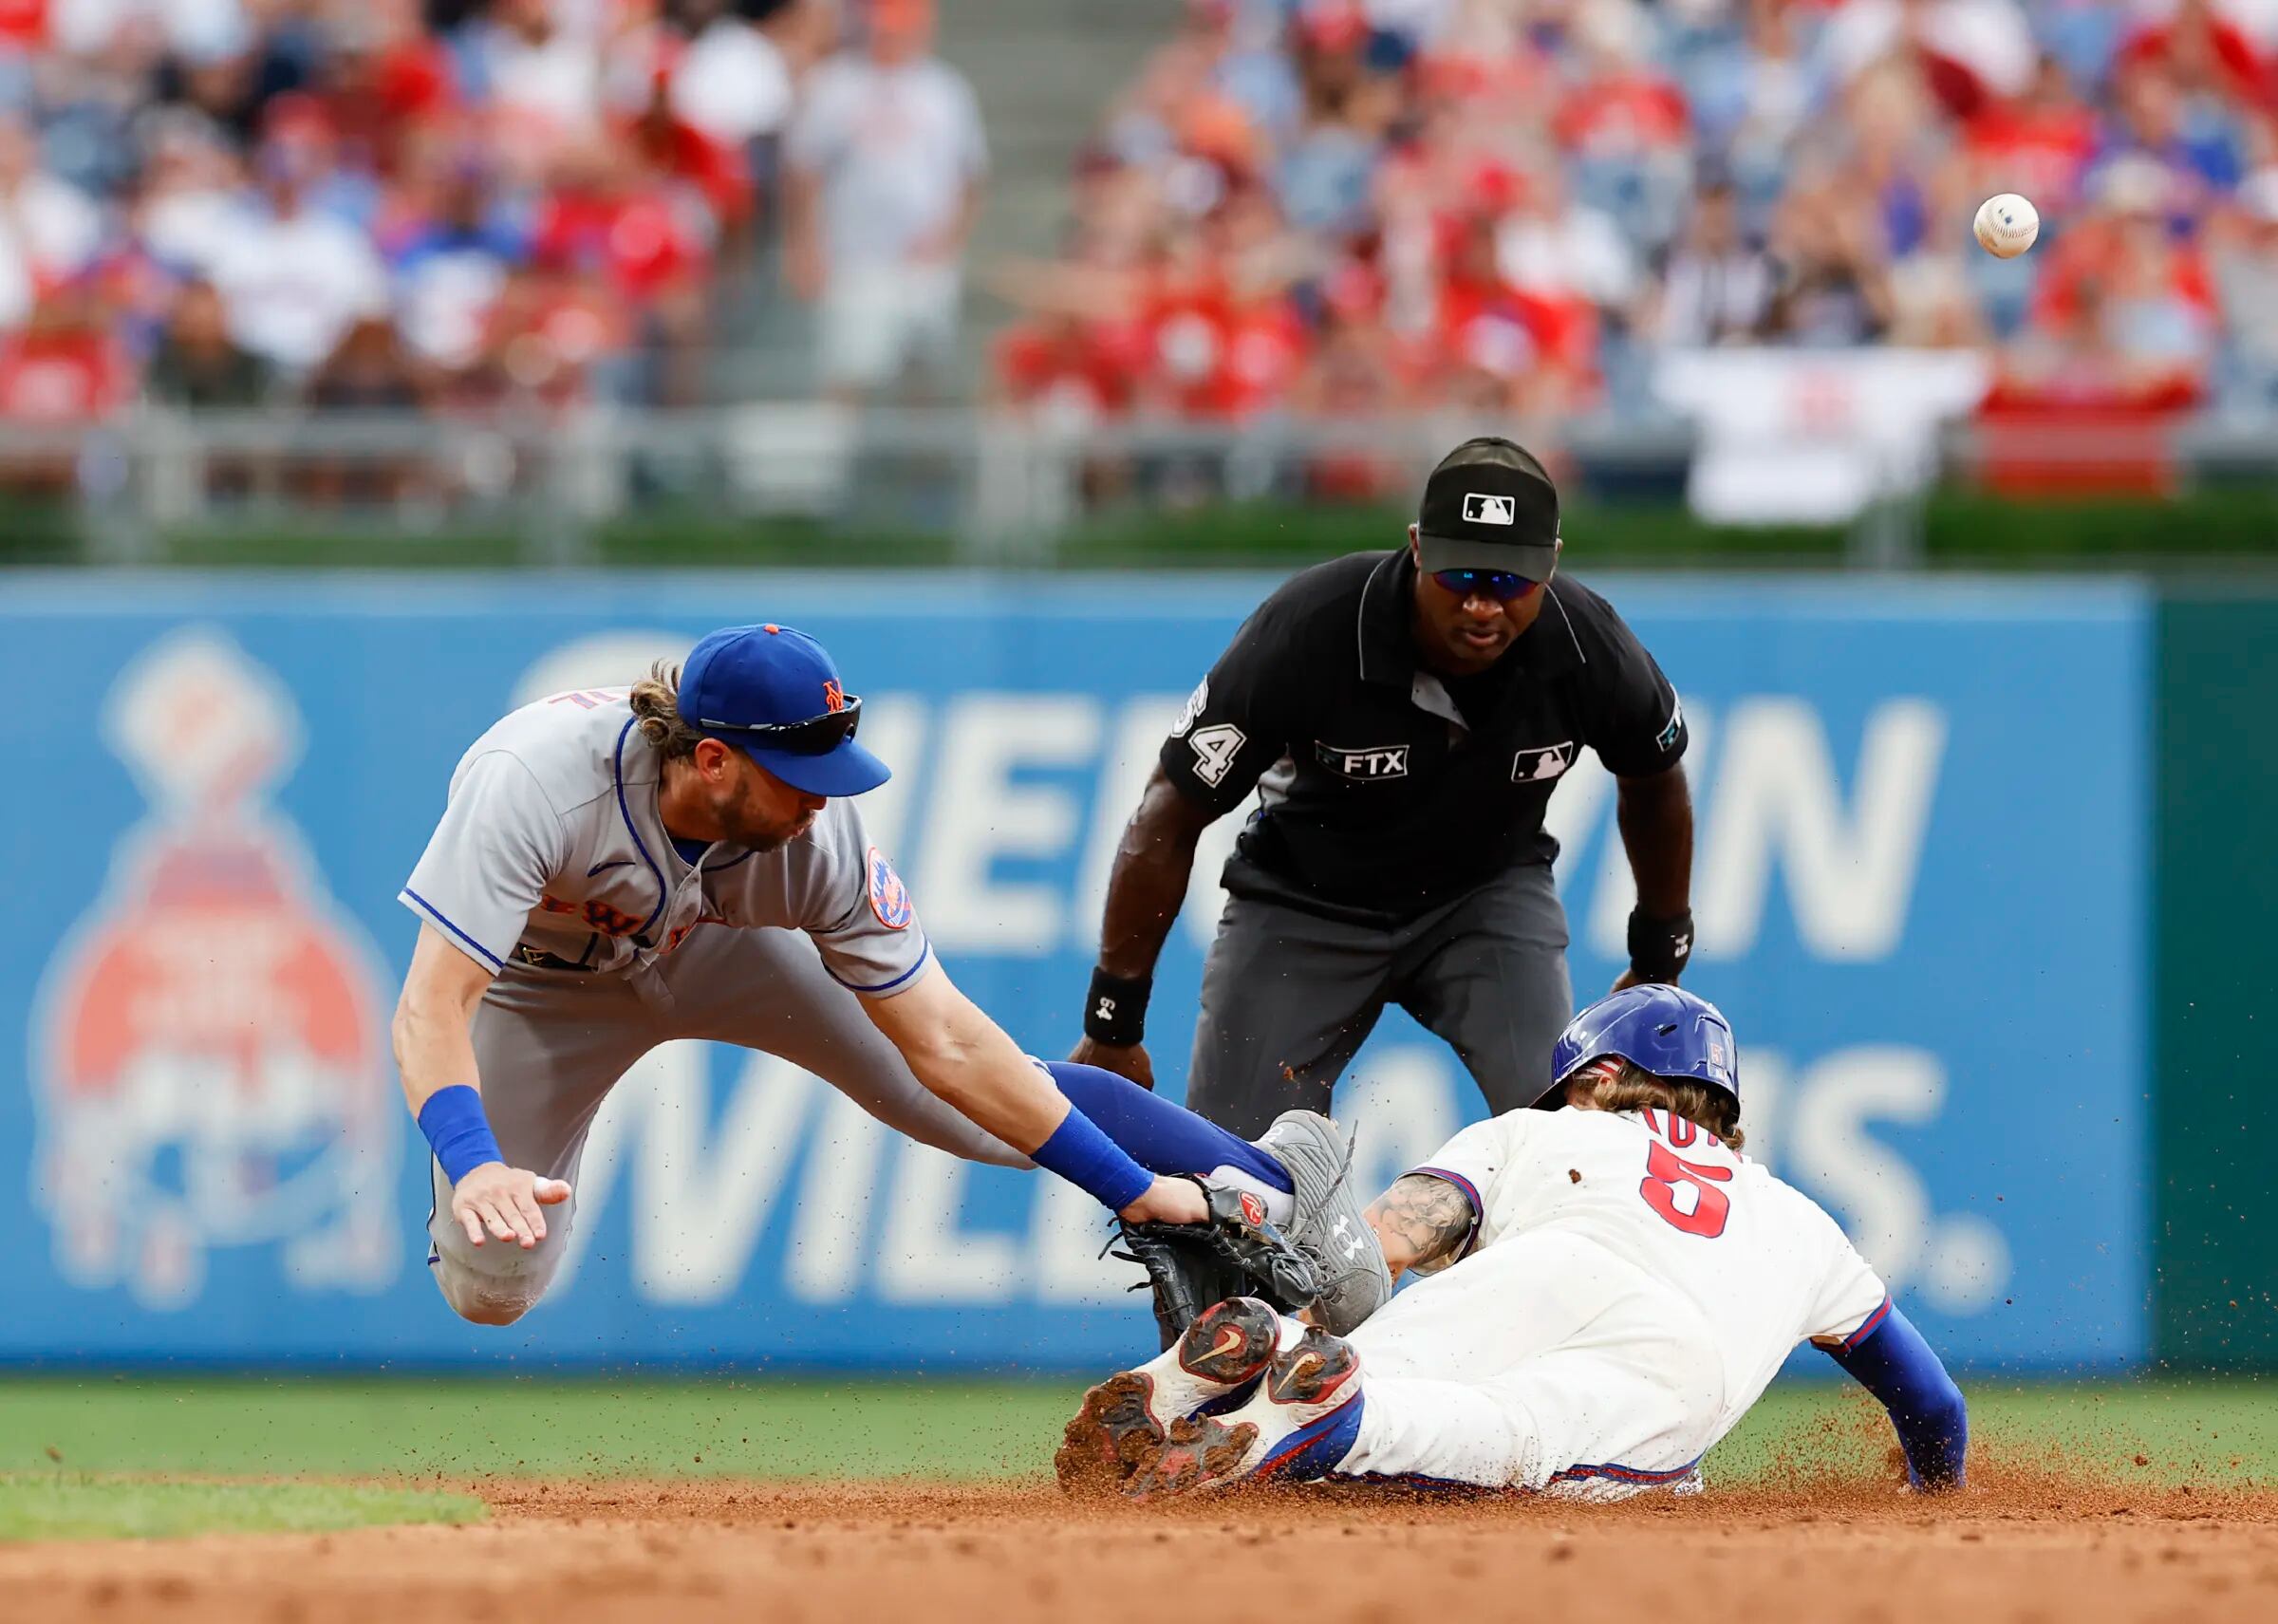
(816, 735)
(1499, 585)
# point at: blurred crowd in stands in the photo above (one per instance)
(456, 205)
(1517, 205)
(1325, 207)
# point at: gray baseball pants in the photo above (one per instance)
(549, 1044)
(1288, 997)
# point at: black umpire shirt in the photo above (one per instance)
(1384, 789)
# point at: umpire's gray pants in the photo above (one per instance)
(548, 1044)
(1289, 996)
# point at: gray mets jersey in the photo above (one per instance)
(552, 868)
(550, 849)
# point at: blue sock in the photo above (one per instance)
(1314, 1450)
(1160, 1136)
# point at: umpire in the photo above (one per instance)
(1404, 717)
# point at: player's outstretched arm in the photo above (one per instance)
(1145, 887)
(963, 1056)
(1892, 1362)
(435, 1052)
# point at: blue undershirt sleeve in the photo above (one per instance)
(1160, 1136)
(1895, 1364)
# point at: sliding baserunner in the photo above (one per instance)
(1611, 1286)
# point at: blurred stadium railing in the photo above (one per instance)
(998, 487)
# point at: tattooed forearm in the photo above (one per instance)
(1420, 1222)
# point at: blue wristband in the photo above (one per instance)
(1086, 1158)
(453, 1123)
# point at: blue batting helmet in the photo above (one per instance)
(1663, 1030)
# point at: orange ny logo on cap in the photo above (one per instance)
(834, 697)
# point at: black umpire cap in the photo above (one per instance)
(1489, 505)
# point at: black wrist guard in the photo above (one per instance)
(1115, 1009)
(1659, 947)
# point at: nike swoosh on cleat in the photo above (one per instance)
(1229, 1339)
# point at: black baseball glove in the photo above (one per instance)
(1235, 1254)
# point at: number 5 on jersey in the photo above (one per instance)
(1665, 1171)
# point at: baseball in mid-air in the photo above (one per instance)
(2006, 225)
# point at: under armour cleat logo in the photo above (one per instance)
(1348, 1242)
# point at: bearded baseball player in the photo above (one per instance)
(1611, 1286)
(616, 868)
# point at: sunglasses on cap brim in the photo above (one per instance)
(1499, 585)
(816, 735)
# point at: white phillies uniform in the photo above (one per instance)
(551, 866)
(1630, 1288)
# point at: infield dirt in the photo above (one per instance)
(2023, 1546)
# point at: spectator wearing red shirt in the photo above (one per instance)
(61, 371)
(2038, 144)
(1060, 369)
(1494, 346)
(62, 366)
(2155, 300)
(1223, 340)
(2205, 51)
(615, 220)
(387, 76)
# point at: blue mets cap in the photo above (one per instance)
(774, 693)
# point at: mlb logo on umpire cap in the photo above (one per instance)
(1489, 505)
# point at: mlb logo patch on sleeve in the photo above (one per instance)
(1483, 509)
(890, 897)
(1548, 761)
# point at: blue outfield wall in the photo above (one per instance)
(1921, 891)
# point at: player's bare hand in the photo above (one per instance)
(1129, 1060)
(1169, 1200)
(505, 1203)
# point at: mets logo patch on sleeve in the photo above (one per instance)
(890, 897)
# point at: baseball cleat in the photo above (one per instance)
(1329, 1226)
(1199, 1452)
(1297, 1426)
(1110, 1436)
(1228, 1345)
(1314, 1375)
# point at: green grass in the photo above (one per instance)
(807, 1428)
(72, 1505)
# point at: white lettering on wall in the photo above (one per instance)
(893, 728)
(1064, 1259)
(1874, 1190)
(923, 1255)
(978, 814)
(700, 1196)
(1850, 874)
(829, 1237)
